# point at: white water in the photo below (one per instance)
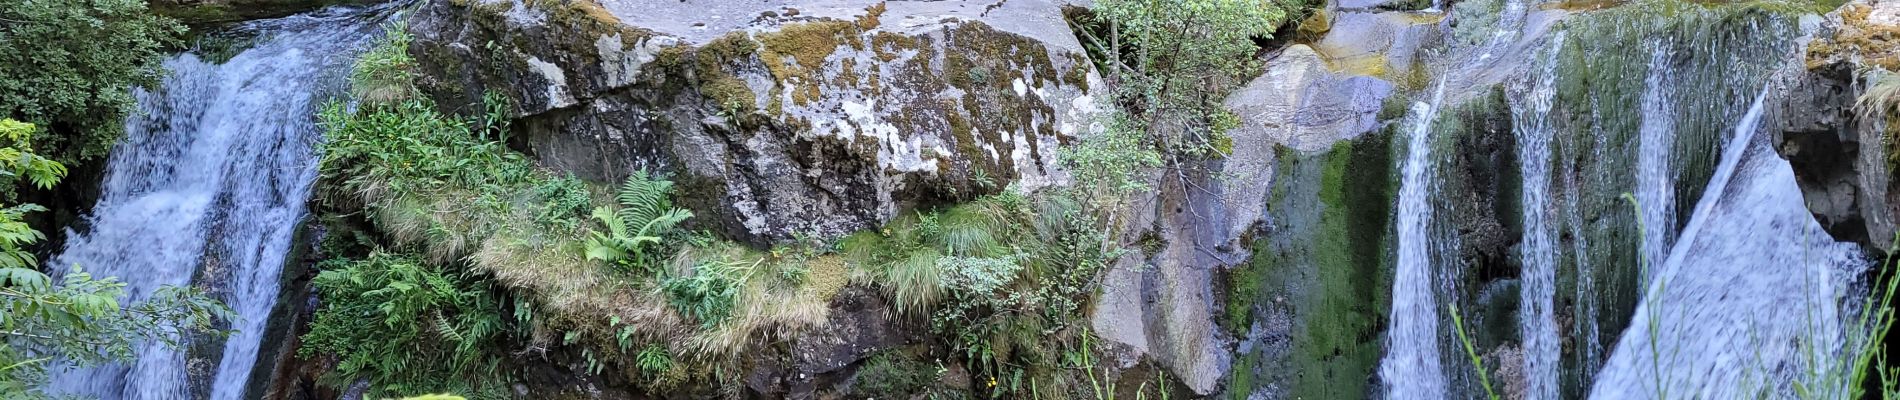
(211, 179)
(1411, 368)
(1655, 177)
(1536, 315)
(1748, 299)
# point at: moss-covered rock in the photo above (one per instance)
(789, 122)
(209, 12)
(1310, 304)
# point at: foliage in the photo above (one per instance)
(637, 233)
(567, 200)
(711, 291)
(1471, 352)
(17, 159)
(71, 66)
(1005, 306)
(1108, 166)
(386, 73)
(80, 321)
(893, 375)
(406, 326)
(1175, 61)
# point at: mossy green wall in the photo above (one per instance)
(1325, 263)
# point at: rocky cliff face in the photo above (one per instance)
(1266, 274)
(814, 119)
(1843, 158)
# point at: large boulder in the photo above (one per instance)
(816, 119)
(1160, 302)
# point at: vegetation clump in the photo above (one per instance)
(72, 65)
(407, 326)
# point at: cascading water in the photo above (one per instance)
(1655, 180)
(1537, 318)
(1748, 298)
(211, 181)
(1411, 368)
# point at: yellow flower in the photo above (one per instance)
(992, 381)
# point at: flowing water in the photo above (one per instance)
(1538, 285)
(1748, 299)
(1655, 180)
(1411, 369)
(208, 188)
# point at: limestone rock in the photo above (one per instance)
(1160, 304)
(819, 118)
(1840, 158)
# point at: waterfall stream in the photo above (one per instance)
(1537, 317)
(1655, 180)
(1411, 369)
(1749, 297)
(208, 188)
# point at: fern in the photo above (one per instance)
(638, 231)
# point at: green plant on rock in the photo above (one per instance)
(1003, 306)
(710, 291)
(566, 201)
(1880, 104)
(79, 321)
(654, 360)
(637, 233)
(406, 326)
(386, 73)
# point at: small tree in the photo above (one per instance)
(1176, 60)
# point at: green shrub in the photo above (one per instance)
(72, 65)
(566, 202)
(709, 292)
(893, 375)
(1178, 61)
(405, 325)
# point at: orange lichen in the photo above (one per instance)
(1859, 40)
(870, 19)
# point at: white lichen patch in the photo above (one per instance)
(622, 65)
(557, 94)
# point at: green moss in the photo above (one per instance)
(1326, 265)
(1078, 74)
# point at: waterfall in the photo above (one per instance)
(1655, 180)
(1411, 367)
(1747, 300)
(1536, 319)
(211, 181)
